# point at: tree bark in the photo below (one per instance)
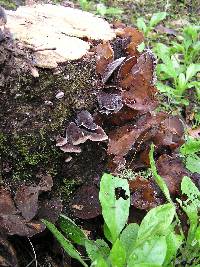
(47, 74)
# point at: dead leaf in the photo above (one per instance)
(136, 78)
(170, 133)
(18, 213)
(50, 209)
(104, 56)
(136, 38)
(7, 205)
(15, 225)
(144, 193)
(194, 133)
(162, 29)
(172, 170)
(45, 183)
(26, 200)
(111, 68)
(85, 202)
(122, 139)
(8, 256)
(125, 69)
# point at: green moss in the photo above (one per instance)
(29, 155)
(34, 117)
(8, 4)
(67, 188)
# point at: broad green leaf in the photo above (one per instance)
(92, 250)
(181, 82)
(107, 233)
(183, 101)
(159, 180)
(187, 43)
(190, 33)
(196, 46)
(103, 246)
(192, 71)
(190, 147)
(198, 92)
(144, 265)
(192, 213)
(176, 47)
(162, 73)
(156, 222)
(128, 237)
(101, 9)
(156, 18)
(115, 209)
(117, 255)
(99, 262)
(175, 61)
(190, 190)
(195, 84)
(193, 163)
(96, 249)
(166, 71)
(165, 88)
(66, 245)
(85, 5)
(190, 206)
(114, 11)
(163, 52)
(71, 230)
(141, 47)
(152, 251)
(197, 234)
(173, 241)
(141, 25)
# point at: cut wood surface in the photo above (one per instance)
(57, 30)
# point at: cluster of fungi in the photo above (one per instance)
(129, 121)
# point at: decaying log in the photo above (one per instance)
(47, 74)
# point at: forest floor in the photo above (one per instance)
(179, 15)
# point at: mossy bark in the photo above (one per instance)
(31, 116)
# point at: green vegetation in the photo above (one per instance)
(153, 243)
(190, 152)
(178, 57)
(177, 69)
(155, 20)
(160, 239)
(100, 8)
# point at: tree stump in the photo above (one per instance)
(47, 74)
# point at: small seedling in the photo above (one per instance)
(178, 76)
(188, 45)
(190, 151)
(100, 8)
(103, 10)
(85, 5)
(147, 27)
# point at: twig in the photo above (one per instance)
(35, 259)
(43, 49)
